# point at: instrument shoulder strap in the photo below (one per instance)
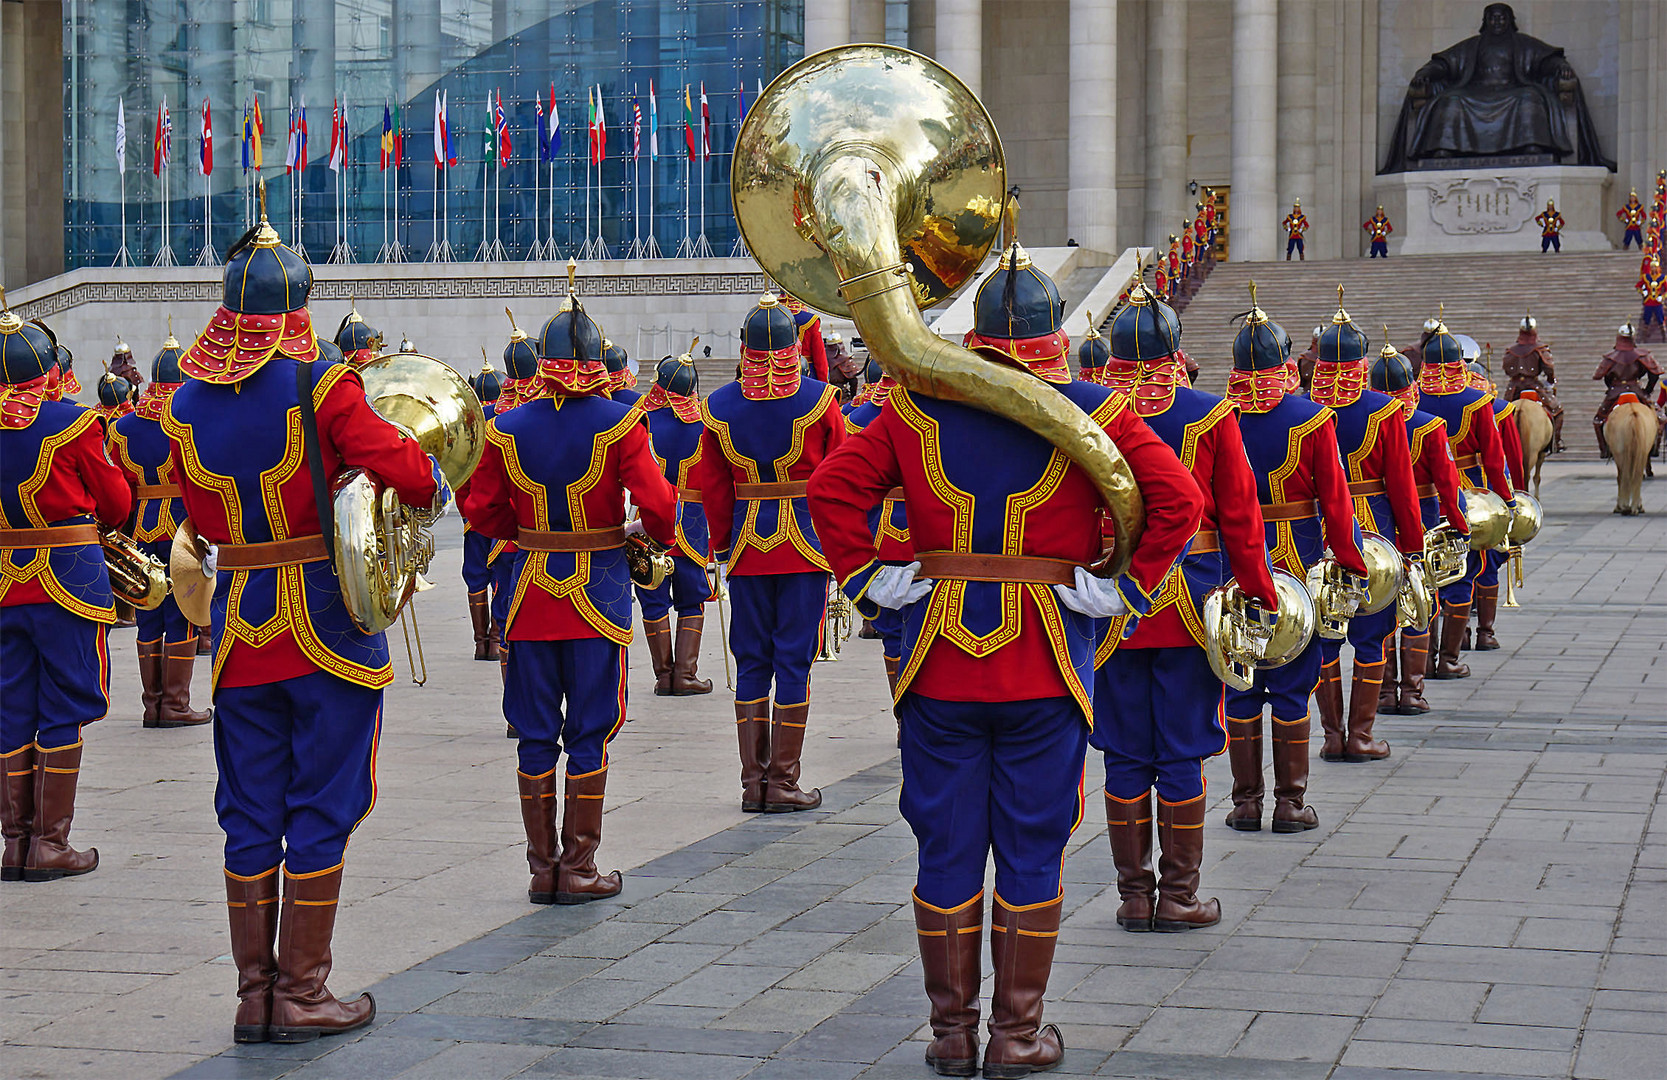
(315, 457)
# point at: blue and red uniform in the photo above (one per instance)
(813, 350)
(486, 573)
(890, 524)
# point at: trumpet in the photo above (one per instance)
(836, 625)
(137, 578)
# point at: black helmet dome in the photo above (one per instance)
(1261, 343)
(1145, 328)
(1341, 342)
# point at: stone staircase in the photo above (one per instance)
(1579, 300)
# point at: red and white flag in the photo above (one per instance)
(205, 148)
(162, 144)
(705, 125)
(338, 137)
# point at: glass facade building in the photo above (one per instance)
(395, 58)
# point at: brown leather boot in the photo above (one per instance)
(126, 617)
(1129, 824)
(1363, 711)
(1432, 647)
(1328, 698)
(1453, 620)
(252, 905)
(1022, 941)
(1409, 700)
(891, 664)
(1603, 443)
(1391, 676)
(538, 818)
(178, 658)
(50, 856)
(17, 809)
(1487, 606)
(752, 728)
(480, 619)
(577, 880)
(303, 1008)
(685, 667)
(657, 635)
(951, 944)
(150, 679)
(1290, 777)
(205, 640)
(782, 794)
(1181, 839)
(1244, 754)
(868, 633)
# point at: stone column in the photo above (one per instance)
(868, 20)
(827, 23)
(923, 20)
(960, 40)
(1254, 212)
(1166, 120)
(1091, 201)
(1296, 125)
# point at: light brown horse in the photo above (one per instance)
(1534, 427)
(1630, 433)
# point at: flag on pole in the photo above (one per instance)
(387, 137)
(338, 137)
(502, 124)
(653, 125)
(486, 151)
(444, 155)
(205, 149)
(688, 123)
(301, 162)
(543, 131)
(292, 148)
(705, 125)
(257, 135)
(121, 135)
(399, 140)
(741, 96)
(601, 128)
(636, 127)
(555, 125)
(243, 143)
(162, 144)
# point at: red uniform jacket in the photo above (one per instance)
(1473, 433)
(1433, 469)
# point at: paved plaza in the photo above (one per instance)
(1491, 901)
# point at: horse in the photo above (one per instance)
(1534, 427)
(1630, 433)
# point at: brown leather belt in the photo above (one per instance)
(1426, 491)
(1469, 461)
(1290, 511)
(973, 566)
(894, 494)
(1368, 487)
(158, 491)
(586, 540)
(273, 553)
(1205, 541)
(786, 489)
(688, 495)
(50, 537)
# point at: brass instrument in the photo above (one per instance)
(1241, 637)
(836, 624)
(1446, 551)
(1489, 517)
(869, 182)
(1338, 593)
(648, 561)
(1415, 603)
(1525, 525)
(720, 593)
(1385, 572)
(138, 578)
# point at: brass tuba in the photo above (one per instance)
(137, 578)
(1241, 637)
(1489, 517)
(1338, 593)
(869, 182)
(381, 546)
(1385, 572)
(1446, 552)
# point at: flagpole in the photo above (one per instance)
(122, 258)
(686, 247)
(590, 155)
(165, 254)
(702, 249)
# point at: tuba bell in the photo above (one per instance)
(1241, 637)
(1489, 517)
(1338, 593)
(382, 547)
(869, 182)
(1446, 552)
(136, 577)
(1385, 572)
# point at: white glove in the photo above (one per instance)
(895, 586)
(1095, 597)
(211, 561)
(634, 527)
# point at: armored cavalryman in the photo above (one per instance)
(56, 487)
(1306, 508)
(485, 571)
(1531, 370)
(764, 436)
(1093, 353)
(1372, 437)
(358, 340)
(554, 479)
(1378, 227)
(256, 430)
(1631, 214)
(1415, 353)
(995, 693)
(121, 363)
(167, 640)
(1551, 227)
(889, 523)
(1622, 369)
(813, 351)
(1473, 435)
(1157, 703)
(675, 428)
(1295, 226)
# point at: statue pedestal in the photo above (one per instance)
(1449, 210)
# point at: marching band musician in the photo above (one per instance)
(56, 605)
(1292, 446)
(1437, 477)
(1372, 437)
(359, 342)
(1529, 366)
(115, 398)
(570, 621)
(257, 431)
(167, 640)
(1486, 604)
(995, 692)
(1093, 353)
(765, 435)
(674, 429)
(1473, 435)
(484, 576)
(521, 384)
(622, 382)
(889, 522)
(1157, 703)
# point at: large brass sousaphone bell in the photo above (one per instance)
(1489, 518)
(869, 182)
(1385, 572)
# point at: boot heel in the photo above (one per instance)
(952, 1066)
(294, 1034)
(251, 1033)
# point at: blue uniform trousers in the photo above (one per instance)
(889, 625)
(982, 777)
(1157, 716)
(1380, 248)
(297, 763)
(1367, 634)
(685, 590)
(503, 590)
(477, 572)
(1285, 689)
(165, 623)
(54, 676)
(1633, 236)
(565, 693)
(1476, 572)
(775, 628)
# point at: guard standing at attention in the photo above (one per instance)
(1378, 227)
(995, 693)
(1292, 446)
(1295, 225)
(674, 429)
(56, 487)
(553, 478)
(257, 431)
(765, 435)
(1157, 703)
(1631, 214)
(1372, 437)
(167, 640)
(484, 576)
(889, 522)
(1551, 227)
(1530, 368)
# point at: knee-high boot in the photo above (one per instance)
(1487, 607)
(1453, 620)
(1409, 701)
(1391, 676)
(951, 947)
(1244, 754)
(252, 908)
(480, 620)
(577, 879)
(685, 679)
(303, 1008)
(1022, 943)
(178, 658)
(752, 728)
(1328, 698)
(50, 857)
(150, 679)
(1290, 777)
(782, 794)
(17, 809)
(657, 634)
(1363, 711)
(1129, 825)
(1181, 843)
(538, 819)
